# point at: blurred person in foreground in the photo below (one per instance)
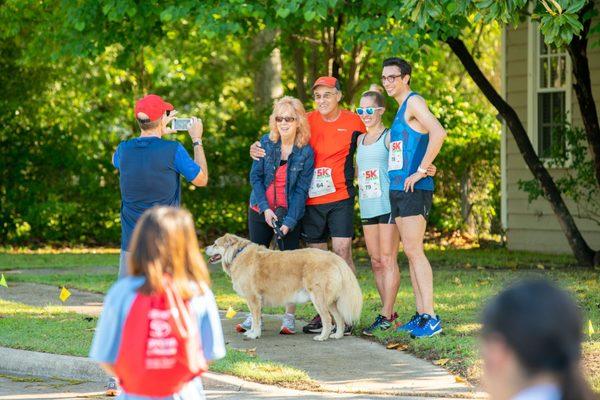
(160, 326)
(531, 345)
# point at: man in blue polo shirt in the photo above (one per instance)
(149, 167)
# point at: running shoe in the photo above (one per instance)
(314, 326)
(410, 325)
(288, 325)
(246, 325)
(428, 327)
(112, 388)
(381, 323)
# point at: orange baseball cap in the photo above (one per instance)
(153, 106)
(328, 81)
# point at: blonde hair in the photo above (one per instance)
(302, 132)
(164, 242)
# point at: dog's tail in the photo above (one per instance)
(350, 300)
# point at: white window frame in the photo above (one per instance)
(533, 81)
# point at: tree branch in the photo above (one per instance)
(582, 251)
(577, 49)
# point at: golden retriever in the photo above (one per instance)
(266, 277)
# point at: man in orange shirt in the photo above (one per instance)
(330, 206)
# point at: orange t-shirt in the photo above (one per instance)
(334, 144)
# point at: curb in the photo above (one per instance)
(24, 362)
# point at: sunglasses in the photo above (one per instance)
(286, 119)
(367, 110)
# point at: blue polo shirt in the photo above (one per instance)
(149, 170)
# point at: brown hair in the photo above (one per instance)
(303, 130)
(164, 242)
(375, 92)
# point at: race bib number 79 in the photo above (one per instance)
(369, 184)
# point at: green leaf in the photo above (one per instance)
(309, 15)
(283, 12)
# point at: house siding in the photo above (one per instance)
(533, 226)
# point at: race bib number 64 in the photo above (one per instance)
(322, 183)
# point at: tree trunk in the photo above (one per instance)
(358, 58)
(267, 76)
(465, 202)
(583, 88)
(299, 70)
(580, 248)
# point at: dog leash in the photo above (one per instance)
(276, 228)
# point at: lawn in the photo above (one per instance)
(464, 279)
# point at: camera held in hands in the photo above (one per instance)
(181, 124)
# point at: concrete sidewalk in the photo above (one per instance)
(347, 365)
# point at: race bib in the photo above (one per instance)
(369, 185)
(395, 160)
(322, 183)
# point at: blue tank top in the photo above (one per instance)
(373, 180)
(407, 149)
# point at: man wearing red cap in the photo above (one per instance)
(330, 205)
(150, 167)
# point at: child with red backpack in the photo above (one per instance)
(160, 325)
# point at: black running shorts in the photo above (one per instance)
(322, 221)
(408, 204)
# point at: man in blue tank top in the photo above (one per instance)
(416, 139)
(150, 167)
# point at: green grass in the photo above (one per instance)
(83, 280)
(46, 329)
(253, 368)
(464, 279)
(57, 260)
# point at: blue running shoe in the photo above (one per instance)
(410, 325)
(428, 327)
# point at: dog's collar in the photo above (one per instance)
(237, 253)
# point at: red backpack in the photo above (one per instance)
(160, 346)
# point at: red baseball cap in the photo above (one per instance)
(328, 81)
(153, 106)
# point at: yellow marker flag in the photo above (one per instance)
(3, 281)
(64, 294)
(590, 328)
(230, 313)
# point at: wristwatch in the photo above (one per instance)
(421, 170)
(197, 142)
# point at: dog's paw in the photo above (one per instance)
(320, 338)
(252, 335)
(337, 335)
